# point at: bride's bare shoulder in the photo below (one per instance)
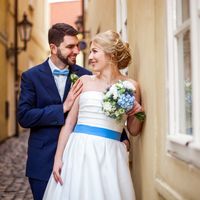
(88, 81)
(86, 78)
(135, 83)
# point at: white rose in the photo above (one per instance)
(114, 92)
(107, 106)
(108, 94)
(112, 88)
(129, 85)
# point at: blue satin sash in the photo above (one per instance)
(102, 132)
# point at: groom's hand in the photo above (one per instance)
(127, 143)
(72, 95)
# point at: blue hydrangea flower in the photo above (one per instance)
(126, 101)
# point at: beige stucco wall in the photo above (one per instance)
(3, 70)
(145, 33)
(156, 174)
(37, 50)
(99, 16)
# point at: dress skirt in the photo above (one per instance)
(94, 168)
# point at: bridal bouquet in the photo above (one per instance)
(119, 99)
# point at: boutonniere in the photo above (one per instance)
(73, 78)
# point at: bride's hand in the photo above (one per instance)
(57, 171)
(136, 108)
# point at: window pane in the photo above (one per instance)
(182, 11)
(185, 83)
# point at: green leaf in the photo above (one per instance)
(140, 116)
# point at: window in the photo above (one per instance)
(183, 19)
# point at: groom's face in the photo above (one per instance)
(68, 50)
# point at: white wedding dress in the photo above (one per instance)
(95, 167)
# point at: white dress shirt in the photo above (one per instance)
(59, 80)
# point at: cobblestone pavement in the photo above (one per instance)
(13, 183)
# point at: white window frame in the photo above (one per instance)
(182, 146)
(121, 11)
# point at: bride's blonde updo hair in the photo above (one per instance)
(112, 45)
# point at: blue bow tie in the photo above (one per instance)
(63, 72)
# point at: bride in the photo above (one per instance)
(90, 162)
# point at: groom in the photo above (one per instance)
(45, 101)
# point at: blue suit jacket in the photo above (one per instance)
(41, 109)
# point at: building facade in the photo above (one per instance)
(66, 12)
(37, 50)
(164, 38)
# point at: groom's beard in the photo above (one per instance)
(64, 59)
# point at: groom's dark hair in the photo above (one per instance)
(58, 31)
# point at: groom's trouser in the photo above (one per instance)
(38, 188)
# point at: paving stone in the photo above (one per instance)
(13, 183)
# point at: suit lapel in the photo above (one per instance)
(49, 82)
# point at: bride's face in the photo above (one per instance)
(97, 58)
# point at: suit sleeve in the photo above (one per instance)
(124, 136)
(29, 115)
